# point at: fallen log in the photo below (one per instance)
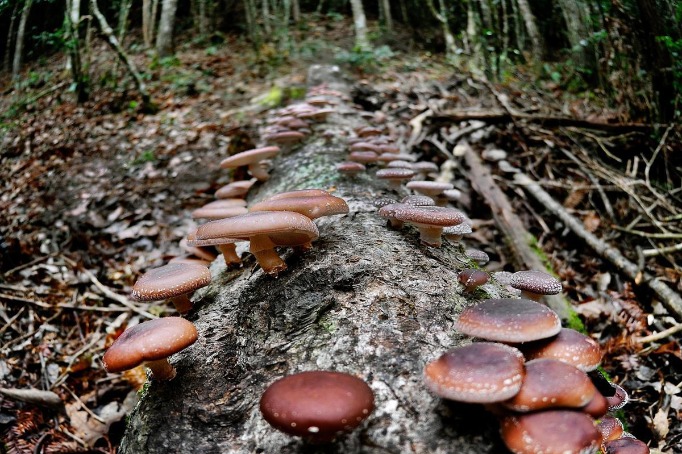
(366, 300)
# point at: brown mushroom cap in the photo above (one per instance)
(509, 320)
(552, 384)
(298, 193)
(310, 206)
(482, 372)
(610, 427)
(455, 232)
(172, 279)
(419, 201)
(619, 399)
(395, 176)
(212, 212)
(399, 164)
(317, 404)
(235, 189)
(568, 346)
(625, 445)
(472, 278)
(430, 188)
(350, 168)
(535, 282)
(364, 157)
(249, 157)
(149, 341)
(364, 146)
(285, 137)
(429, 220)
(550, 432)
(477, 256)
(597, 407)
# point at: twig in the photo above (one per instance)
(594, 180)
(662, 250)
(11, 320)
(660, 236)
(661, 335)
(26, 265)
(20, 299)
(461, 133)
(83, 406)
(669, 298)
(417, 124)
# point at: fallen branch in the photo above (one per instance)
(661, 335)
(661, 250)
(518, 238)
(669, 298)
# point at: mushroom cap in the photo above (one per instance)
(364, 146)
(430, 188)
(172, 279)
(149, 341)
(310, 206)
(550, 432)
(235, 189)
(452, 194)
(597, 407)
(364, 157)
(350, 167)
(284, 228)
(193, 241)
(285, 137)
(203, 253)
(509, 320)
(191, 259)
(610, 427)
(399, 164)
(477, 256)
(482, 372)
(568, 346)
(551, 384)
(472, 277)
(298, 193)
(217, 212)
(395, 174)
(249, 157)
(459, 229)
(429, 215)
(425, 166)
(619, 399)
(538, 282)
(625, 445)
(419, 201)
(317, 404)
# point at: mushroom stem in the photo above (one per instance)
(161, 369)
(264, 250)
(429, 235)
(530, 295)
(182, 303)
(395, 223)
(258, 171)
(229, 252)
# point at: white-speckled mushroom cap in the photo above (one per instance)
(172, 279)
(482, 372)
(428, 215)
(397, 173)
(509, 320)
(537, 282)
(311, 206)
(430, 188)
(568, 346)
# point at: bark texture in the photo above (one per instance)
(366, 300)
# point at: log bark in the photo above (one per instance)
(366, 300)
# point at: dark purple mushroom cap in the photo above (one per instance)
(568, 346)
(149, 341)
(472, 278)
(483, 372)
(625, 445)
(552, 384)
(610, 427)
(317, 404)
(311, 206)
(429, 215)
(509, 320)
(550, 432)
(369, 131)
(170, 280)
(537, 282)
(597, 407)
(249, 157)
(619, 399)
(365, 146)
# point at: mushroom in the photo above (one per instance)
(317, 405)
(173, 280)
(395, 176)
(350, 168)
(151, 343)
(418, 201)
(191, 259)
(625, 445)
(428, 220)
(471, 279)
(218, 210)
(312, 206)
(225, 245)
(399, 164)
(483, 372)
(534, 284)
(597, 407)
(456, 232)
(201, 252)
(568, 346)
(252, 159)
(264, 230)
(363, 157)
(509, 320)
(284, 137)
(431, 188)
(619, 399)
(550, 384)
(610, 427)
(477, 255)
(550, 432)
(237, 189)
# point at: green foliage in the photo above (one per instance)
(365, 60)
(674, 46)
(144, 157)
(165, 62)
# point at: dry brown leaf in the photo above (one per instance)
(591, 222)
(660, 423)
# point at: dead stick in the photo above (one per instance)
(518, 238)
(669, 298)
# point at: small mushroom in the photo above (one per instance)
(218, 210)
(252, 159)
(317, 405)
(284, 137)
(610, 427)
(568, 346)
(428, 220)
(597, 407)
(456, 232)
(471, 279)
(419, 201)
(431, 188)
(225, 245)
(350, 168)
(483, 372)
(534, 284)
(151, 343)
(619, 399)
(312, 206)
(477, 255)
(395, 176)
(363, 157)
(173, 280)
(236, 189)
(625, 445)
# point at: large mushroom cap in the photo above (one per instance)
(551, 432)
(552, 384)
(568, 346)
(283, 228)
(218, 212)
(299, 193)
(149, 341)
(317, 404)
(537, 282)
(509, 320)
(310, 206)
(626, 445)
(249, 157)
(483, 372)
(170, 280)
(429, 215)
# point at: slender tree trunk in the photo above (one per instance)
(75, 61)
(296, 11)
(6, 63)
(252, 27)
(123, 12)
(385, 7)
(503, 57)
(360, 23)
(519, 35)
(72, 18)
(265, 6)
(164, 36)
(146, 20)
(403, 12)
(477, 60)
(21, 36)
(536, 41)
(578, 30)
(200, 9)
(441, 16)
(486, 15)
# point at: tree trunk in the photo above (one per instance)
(360, 23)
(6, 65)
(201, 16)
(147, 23)
(387, 16)
(74, 59)
(441, 16)
(21, 36)
(366, 300)
(252, 27)
(265, 7)
(579, 32)
(164, 36)
(477, 57)
(296, 11)
(536, 42)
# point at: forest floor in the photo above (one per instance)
(95, 194)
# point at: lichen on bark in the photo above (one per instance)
(366, 300)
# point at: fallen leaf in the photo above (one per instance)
(660, 423)
(591, 222)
